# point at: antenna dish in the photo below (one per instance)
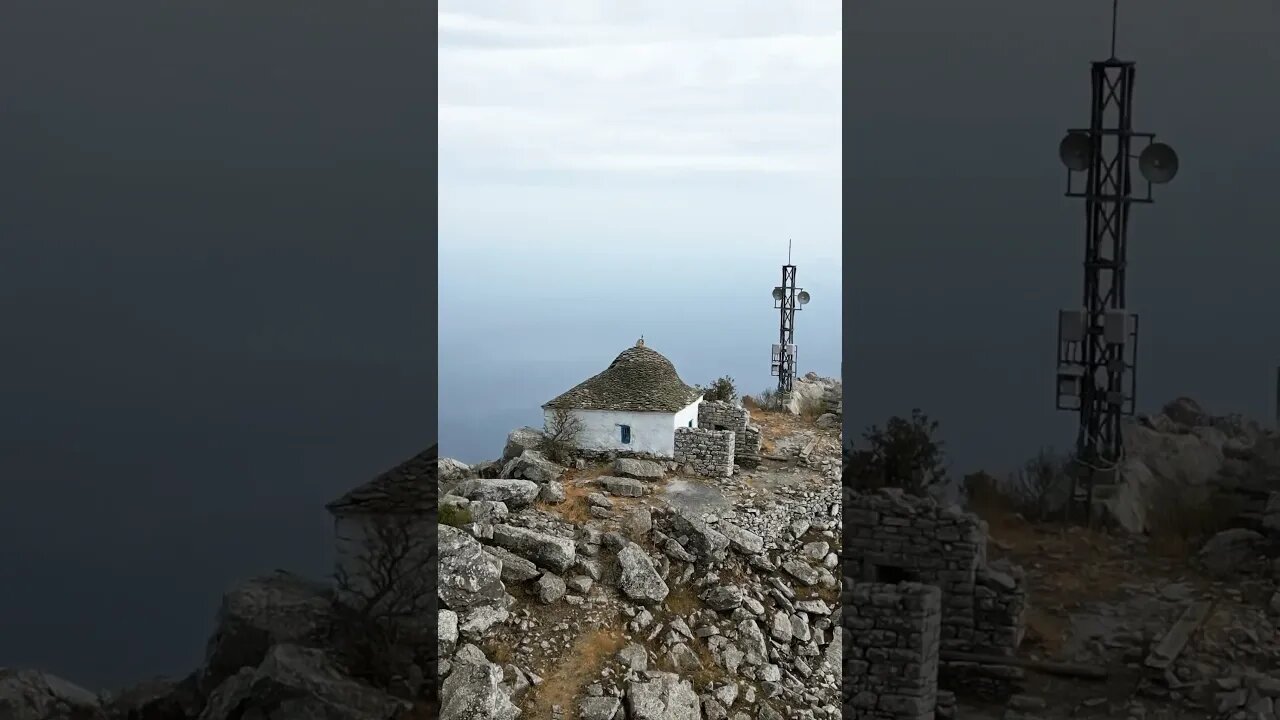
(1076, 151)
(1158, 163)
(777, 293)
(803, 297)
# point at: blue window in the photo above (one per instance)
(690, 423)
(626, 434)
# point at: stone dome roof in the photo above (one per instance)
(639, 379)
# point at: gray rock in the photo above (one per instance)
(469, 576)
(479, 620)
(487, 511)
(550, 588)
(704, 541)
(664, 697)
(35, 695)
(639, 579)
(265, 611)
(638, 522)
(547, 551)
(515, 569)
(532, 465)
(473, 691)
(552, 492)
(599, 708)
(638, 469)
(514, 493)
(599, 500)
(521, 439)
(625, 487)
(634, 656)
(451, 472)
(1228, 551)
(447, 631)
(298, 682)
(155, 699)
(801, 571)
(724, 597)
(744, 541)
(816, 551)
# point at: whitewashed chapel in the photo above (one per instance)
(634, 406)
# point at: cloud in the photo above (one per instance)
(645, 88)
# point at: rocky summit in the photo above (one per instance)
(642, 589)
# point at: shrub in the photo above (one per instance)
(769, 399)
(722, 390)
(904, 454)
(560, 436)
(454, 515)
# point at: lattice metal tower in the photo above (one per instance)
(1097, 344)
(787, 299)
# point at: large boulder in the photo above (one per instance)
(473, 691)
(469, 576)
(699, 537)
(532, 465)
(293, 683)
(1230, 552)
(814, 391)
(521, 439)
(155, 699)
(1191, 458)
(548, 551)
(639, 579)
(261, 612)
(450, 473)
(638, 469)
(35, 695)
(512, 493)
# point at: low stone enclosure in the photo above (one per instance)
(915, 571)
(706, 452)
(718, 415)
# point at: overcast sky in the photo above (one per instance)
(610, 170)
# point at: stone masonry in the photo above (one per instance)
(892, 537)
(891, 655)
(718, 415)
(706, 452)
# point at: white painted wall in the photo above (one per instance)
(651, 432)
(685, 416)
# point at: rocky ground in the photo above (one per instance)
(271, 657)
(633, 589)
(1112, 600)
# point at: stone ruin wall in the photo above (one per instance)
(738, 419)
(706, 452)
(892, 537)
(891, 651)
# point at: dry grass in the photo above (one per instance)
(710, 672)
(577, 486)
(563, 683)
(1180, 519)
(682, 601)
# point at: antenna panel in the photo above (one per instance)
(1071, 326)
(1116, 326)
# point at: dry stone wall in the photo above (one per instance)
(706, 452)
(722, 415)
(898, 537)
(891, 655)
